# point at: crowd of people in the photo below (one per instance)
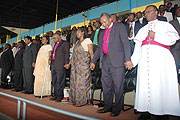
(147, 40)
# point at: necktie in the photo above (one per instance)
(162, 14)
(131, 31)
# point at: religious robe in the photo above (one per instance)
(157, 84)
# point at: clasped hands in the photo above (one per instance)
(128, 65)
(67, 66)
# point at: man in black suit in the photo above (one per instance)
(29, 59)
(7, 63)
(18, 77)
(162, 18)
(60, 61)
(132, 29)
(175, 49)
(114, 53)
(141, 19)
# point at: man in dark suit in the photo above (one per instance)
(7, 63)
(132, 29)
(60, 61)
(175, 49)
(162, 18)
(114, 52)
(29, 60)
(18, 76)
(142, 20)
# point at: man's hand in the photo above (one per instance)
(128, 65)
(151, 34)
(92, 66)
(67, 66)
(33, 64)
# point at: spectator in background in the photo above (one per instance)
(97, 25)
(114, 18)
(80, 81)
(14, 48)
(42, 69)
(169, 5)
(7, 63)
(73, 38)
(163, 13)
(18, 66)
(35, 42)
(29, 60)
(173, 10)
(51, 42)
(132, 29)
(175, 49)
(141, 19)
(90, 32)
(124, 18)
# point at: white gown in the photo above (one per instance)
(157, 83)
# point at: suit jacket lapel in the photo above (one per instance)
(112, 33)
(177, 26)
(59, 45)
(27, 47)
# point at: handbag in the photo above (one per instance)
(130, 80)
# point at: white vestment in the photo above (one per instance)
(157, 84)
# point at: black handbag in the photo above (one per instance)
(130, 80)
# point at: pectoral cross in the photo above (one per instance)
(149, 40)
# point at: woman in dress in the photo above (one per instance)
(90, 33)
(80, 79)
(42, 71)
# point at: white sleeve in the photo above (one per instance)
(167, 35)
(137, 50)
(136, 54)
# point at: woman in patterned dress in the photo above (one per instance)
(80, 79)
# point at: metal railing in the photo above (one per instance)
(25, 101)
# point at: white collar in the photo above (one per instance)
(141, 18)
(178, 18)
(29, 44)
(111, 25)
(154, 21)
(132, 23)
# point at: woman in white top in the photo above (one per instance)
(80, 79)
(42, 71)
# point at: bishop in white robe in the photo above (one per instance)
(157, 83)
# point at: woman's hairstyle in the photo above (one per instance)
(47, 38)
(83, 29)
(90, 27)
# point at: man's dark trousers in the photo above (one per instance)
(113, 84)
(58, 81)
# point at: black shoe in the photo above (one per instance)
(144, 117)
(58, 100)
(53, 98)
(26, 92)
(6, 87)
(115, 113)
(104, 110)
(13, 90)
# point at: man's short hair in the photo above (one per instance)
(105, 14)
(169, 3)
(133, 14)
(58, 33)
(29, 38)
(154, 7)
